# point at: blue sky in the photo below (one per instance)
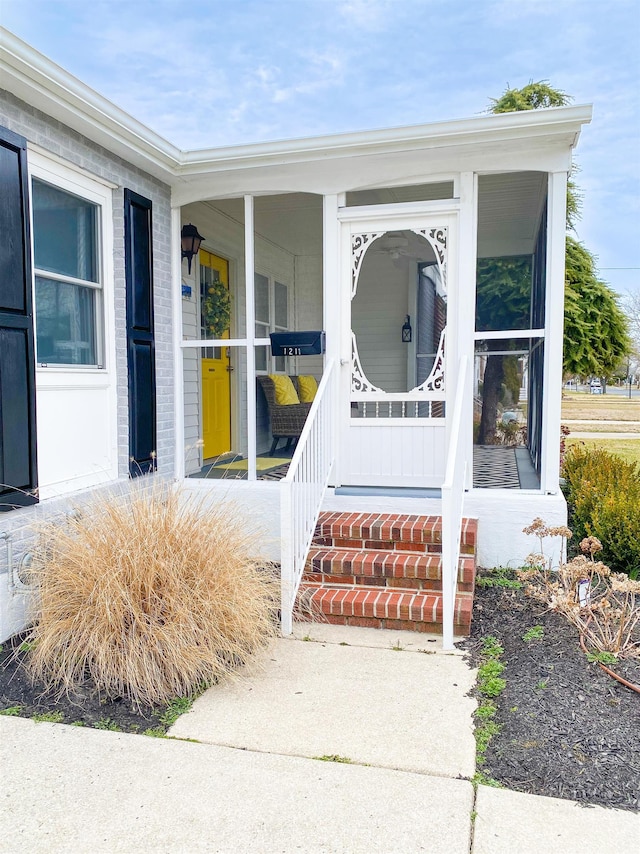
(218, 72)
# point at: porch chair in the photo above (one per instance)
(287, 420)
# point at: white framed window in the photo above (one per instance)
(68, 277)
(72, 238)
(272, 306)
(74, 325)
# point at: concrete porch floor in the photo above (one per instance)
(256, 782)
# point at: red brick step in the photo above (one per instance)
(384, 568)
(386, 609)
(389, 531)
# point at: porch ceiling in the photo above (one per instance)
(292, 221)
(509, 207)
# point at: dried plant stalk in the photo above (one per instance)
(603, 605)
(148, 595)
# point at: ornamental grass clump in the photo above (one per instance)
(149, 595)
(604, 606)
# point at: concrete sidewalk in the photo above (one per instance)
(397, 718)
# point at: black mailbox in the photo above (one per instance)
(297, 343)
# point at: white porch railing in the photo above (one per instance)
(302, 491)
(452, 508)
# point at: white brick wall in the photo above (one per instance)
(54, 138)
(57, 139)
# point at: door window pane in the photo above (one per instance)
(272, 315)
(262, 298)
(281, 306)
(262, 331)
(65, 323)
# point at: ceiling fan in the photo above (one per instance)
(394, 244)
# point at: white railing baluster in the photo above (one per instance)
(302, 491)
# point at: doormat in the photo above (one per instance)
(262, 464)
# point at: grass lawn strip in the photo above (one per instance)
(627, 449)
(600, 407)
(604, 427)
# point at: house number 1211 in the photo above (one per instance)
(292, 351)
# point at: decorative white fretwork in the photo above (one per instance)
(359, 381)
(437, 237)
(359, 245)
(362, 385)
(435, 380)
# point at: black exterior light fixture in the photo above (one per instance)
(406, 331)
(191, 241)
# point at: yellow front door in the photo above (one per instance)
(216, 376)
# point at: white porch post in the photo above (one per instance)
(178, 365)
(250, 311)
(554, 330)
(466, 301)
(332, 308)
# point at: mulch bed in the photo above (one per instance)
(568, 729)
(86, 707)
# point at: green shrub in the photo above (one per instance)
(603, 493)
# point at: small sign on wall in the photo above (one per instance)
(186, 291)
(297, 343)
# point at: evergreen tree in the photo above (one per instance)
(596, 336)
(595, 327)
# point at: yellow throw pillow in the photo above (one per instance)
(286, 393)
(307, 388)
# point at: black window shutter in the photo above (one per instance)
(18, 467)
(140, 334)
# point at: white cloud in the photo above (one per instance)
(366, 14)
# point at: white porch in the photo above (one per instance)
(363, 237)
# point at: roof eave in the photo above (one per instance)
(557, 121)
(38, 81)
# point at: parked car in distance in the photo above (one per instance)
(596, 387)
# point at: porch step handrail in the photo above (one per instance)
(302, 491)
(452, 507)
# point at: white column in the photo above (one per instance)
(178, 365)
(465, 298)
(554, 330)
(332, 310)
(250, 310)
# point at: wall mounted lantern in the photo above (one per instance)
(191, 241)
(406, 331)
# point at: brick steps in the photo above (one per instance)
(385, 571)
